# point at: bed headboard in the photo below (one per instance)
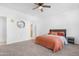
(58, 30)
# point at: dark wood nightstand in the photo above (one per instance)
(71, 40)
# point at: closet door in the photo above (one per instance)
(2, 30)
(17, 30)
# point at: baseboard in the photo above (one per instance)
(2, 43)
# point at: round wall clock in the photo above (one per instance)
(21, 24)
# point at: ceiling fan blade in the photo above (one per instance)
(47, 6)
(36, 7)
(40, 4)
(41, 10)
(36, 3)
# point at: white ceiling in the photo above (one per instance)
(22, 7)
(56, 8)
(27, 7)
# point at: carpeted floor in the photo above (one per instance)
(29, 48)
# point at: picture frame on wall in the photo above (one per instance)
(20, 24)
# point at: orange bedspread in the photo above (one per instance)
(51, 42)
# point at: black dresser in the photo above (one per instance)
(71, 40)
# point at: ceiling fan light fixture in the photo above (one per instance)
(40, 7)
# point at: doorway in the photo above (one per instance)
(3, 30)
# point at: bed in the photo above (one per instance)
(54, 40)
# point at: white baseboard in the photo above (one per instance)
(2, 43)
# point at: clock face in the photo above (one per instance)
(21, 24)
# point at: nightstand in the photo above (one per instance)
(70, 40)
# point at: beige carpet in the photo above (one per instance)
(29, 48)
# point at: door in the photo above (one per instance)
(2, 30)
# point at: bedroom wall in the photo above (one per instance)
(13, 33)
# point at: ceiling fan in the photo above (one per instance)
(41, 6)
